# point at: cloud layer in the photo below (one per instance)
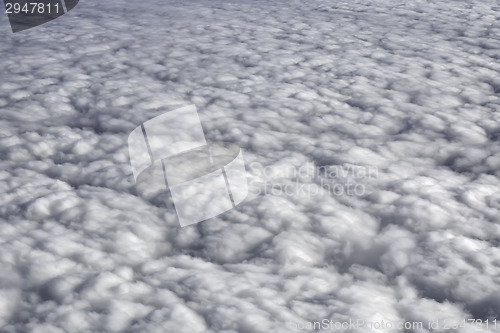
(407, 89)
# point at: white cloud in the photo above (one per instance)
(408, 88)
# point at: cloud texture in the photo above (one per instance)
(409, 89)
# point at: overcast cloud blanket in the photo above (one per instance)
(399, 99)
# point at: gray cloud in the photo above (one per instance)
(408, 88)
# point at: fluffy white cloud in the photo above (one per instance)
(370, 132)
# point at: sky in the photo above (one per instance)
(370, 133)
